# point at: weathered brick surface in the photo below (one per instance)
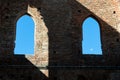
(58, 39)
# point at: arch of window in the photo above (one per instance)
(24, 43)
(91, 43)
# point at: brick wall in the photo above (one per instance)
(58, 38)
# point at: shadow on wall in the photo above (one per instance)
(63, 20)
(18, 67)
(14, 67)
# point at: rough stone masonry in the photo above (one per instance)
(58, 40)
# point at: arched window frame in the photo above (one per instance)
(21, 14)
(97, 19)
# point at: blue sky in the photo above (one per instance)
(24, 43)
(91, 43)
(24, 35)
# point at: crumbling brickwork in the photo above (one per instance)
(58, 40)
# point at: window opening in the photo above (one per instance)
(91, 43)
(24, 43)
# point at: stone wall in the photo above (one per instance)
(58, 39)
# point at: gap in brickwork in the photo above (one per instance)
(24, 43)
(91, 43)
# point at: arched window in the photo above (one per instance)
(24, 43)
(91, 43)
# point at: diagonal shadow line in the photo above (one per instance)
(110, 46)
(51, 14)
(64, 21)
(18, 67)
(12, 66)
